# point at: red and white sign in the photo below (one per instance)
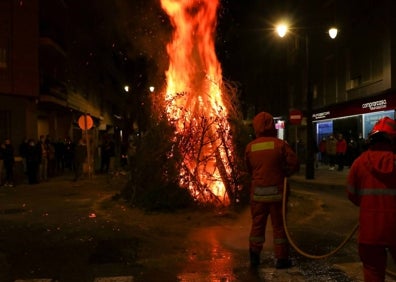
(85, 122)
(295, 117)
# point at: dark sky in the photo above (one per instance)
(136, 32)
(142, 27)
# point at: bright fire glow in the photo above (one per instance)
(194, 97)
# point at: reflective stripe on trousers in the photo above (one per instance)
(260, 212)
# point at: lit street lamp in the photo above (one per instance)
(282, 30)
(333, 32)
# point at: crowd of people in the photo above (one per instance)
(337, 152)
(45, 158)
(41, 159)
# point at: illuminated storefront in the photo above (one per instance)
(353, 118)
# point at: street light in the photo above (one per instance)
(282, 30)
(333, 32)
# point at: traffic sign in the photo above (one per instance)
(85, 122)
(295, 117)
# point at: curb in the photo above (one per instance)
(315, 184)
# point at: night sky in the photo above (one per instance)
(131, 36)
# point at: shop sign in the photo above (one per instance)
(366, 105)
(321, 115)
(375, 106)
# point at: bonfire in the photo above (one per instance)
(199, 104)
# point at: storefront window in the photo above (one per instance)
(324, 129)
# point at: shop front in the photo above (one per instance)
(353, 119)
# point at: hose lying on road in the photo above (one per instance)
(311, 256)
(301, 252)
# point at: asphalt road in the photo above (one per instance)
(73, 231)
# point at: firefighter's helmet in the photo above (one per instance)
(385, 126)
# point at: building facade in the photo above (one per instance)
(352, 77)
(19, 69)
(38, 95)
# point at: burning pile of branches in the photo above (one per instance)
(209, 161)
(198, 112)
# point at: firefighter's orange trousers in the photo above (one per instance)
(374, 259)
(260, 211)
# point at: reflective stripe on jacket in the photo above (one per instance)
(372, 186)
(269, 160)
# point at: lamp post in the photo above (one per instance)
(282, 30)
(310, 153)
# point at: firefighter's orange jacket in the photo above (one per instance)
(269, 159)
(372, 186)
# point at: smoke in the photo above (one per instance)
(145, 29)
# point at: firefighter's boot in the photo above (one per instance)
(283, 263)
(254, 259)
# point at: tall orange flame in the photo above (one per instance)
(194, 96)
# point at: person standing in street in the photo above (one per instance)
(331, 149)
(372, 187)
(22, 152)
(9, 163)
(323, 151)
(341, 149)
(268, 160)
(361, 144)
(80, 156)
(33, 156)
(43, 168)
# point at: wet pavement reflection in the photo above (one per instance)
(208, 259)
(219, 253)
(73, 234)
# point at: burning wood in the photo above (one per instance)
(197, 103)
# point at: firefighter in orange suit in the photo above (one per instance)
(269, 160)
(372, 187)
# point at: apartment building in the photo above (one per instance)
(19, 69)
(358, 85)
(352, 76)
(39, 94)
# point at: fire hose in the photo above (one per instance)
(311, 256)
(293, 244)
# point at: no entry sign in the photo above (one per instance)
(85, 122)
(295, 117)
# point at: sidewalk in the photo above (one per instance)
(323, 178)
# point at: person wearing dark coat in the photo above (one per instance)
(33, 156)
(80, 155)
(107, 153)
(22, 152)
